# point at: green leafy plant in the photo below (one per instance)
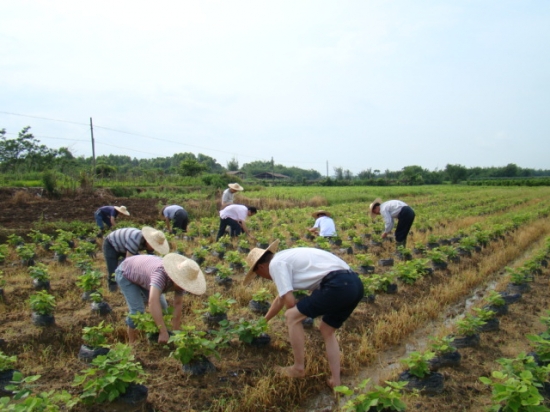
(494, 298)
(7, 362)
(243, 243)
(469, 325)
(381, 398)
(407, 273)
(418, 363)
(200, 253)
(26, 252)
(191, 344)
(223, 272)
(436, 255)
(60, 247)
(14, 240)
(518, 276)
(109, 375)
(94, 336)
(217, 304)
(512, 393)
(365, 259)
(248, 330)
(370, 284)
(262, 295)
(541, 346)
(90, 281)
(23, 399)
(96, 296)
(146, 323)
(42, 303)
(484, 314)
(39, 272)
(442, 345)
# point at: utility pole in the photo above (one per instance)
(93, 150)
(327, 169)
(272, 169)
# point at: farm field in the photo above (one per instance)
(482, 234)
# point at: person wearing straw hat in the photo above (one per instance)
(336, 291)
(324, 225)
(177, 215)
(126, 242)
(228, 194)
(390, 210)
(106, 216)
(235, 216)
(143, 280)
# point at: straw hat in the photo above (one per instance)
(255, 255)
(123, 210)
(156, 239)
(316, 214)
(371, 206)
(236, 186)
(185, 273)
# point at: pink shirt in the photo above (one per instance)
(146, 271)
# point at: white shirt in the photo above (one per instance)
(235, 212)
(326, 226)
(390, 210)
(227, 196)
(302, 268)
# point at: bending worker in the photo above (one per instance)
(390, 210)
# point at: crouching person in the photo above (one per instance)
(143, 279)
(336, 291)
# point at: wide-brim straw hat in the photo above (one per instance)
(156, 239)
(371, 206)
(253, 256)
(236, 186)
(123, 210)
(316, 214)
(185, 273)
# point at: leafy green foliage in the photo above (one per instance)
(248, 330)
(469, 325)
(94, 336)
(90, 281)
(217, 304)
(109, 375)
(6, 362)
(381, 398)
(191, 345)
(442, 345)
(418, 363)
(262, 295)
(39, 272)
(42, 303)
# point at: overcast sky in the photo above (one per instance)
(358, 84)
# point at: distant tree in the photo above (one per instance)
(412, 175)
(24, 152)
(191, 167)
(339, 173)
(456, 173)
(348, 175)
(105, 171)
(233, 165)
(365, 174)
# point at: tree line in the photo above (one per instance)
(25, 154)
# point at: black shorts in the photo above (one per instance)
(338, 295)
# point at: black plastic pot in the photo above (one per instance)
(469, 341)
(87, 354)
(464, 252)
(369, 298)
(432, 245)
(365, 269)
(210, 270)
(490, 326)
(499, 310)
(391, 289)
(6, 377)
(59, 258)
(86, 295)
(263, 340)
(347, 250)
(510, 298)
(385, 262)
(431, 384)
(41, 284)
(360, 246)
(199, 366)
(134, 399)
(258, 307)
(214, 320)
(101, 308)
(514, 288)
(226, 282)
(28, 262)
(450, 359)
(198, 260)
(236, 266)
(262, 245)
(243, 249)
(439, 265)
(2, 299)
(42, 320)
(307, 323)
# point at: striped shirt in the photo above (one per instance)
(146, 271)
(127, 239)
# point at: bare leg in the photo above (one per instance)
(333, 353)
(297, 341)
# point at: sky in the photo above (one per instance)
(314, 84)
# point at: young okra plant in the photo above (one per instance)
(418, 363)
(42, 303)
(95, 336)
(191, 345)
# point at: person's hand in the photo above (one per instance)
(163, 337)
(384, 235)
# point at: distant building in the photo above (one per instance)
(269, 175)
(236, 173)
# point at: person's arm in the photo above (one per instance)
(113, 221)
(313, 230)
(176, 316)
(156, 312)
(275, 308)
(167, 220)
(243, 225)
